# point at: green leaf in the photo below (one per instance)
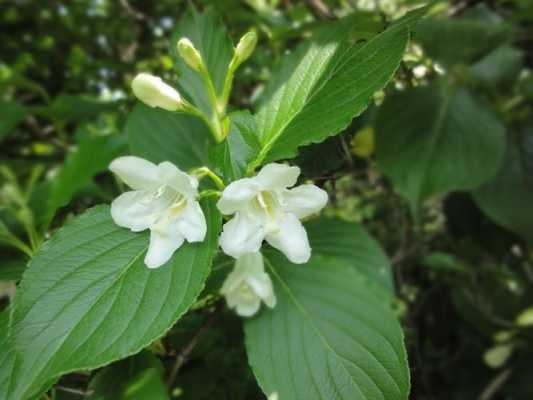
(500, 67)
(209, 37)
(507, 198)
(11, 114)
(91, 157)
(451, 40)
(231, 157)
(160, 135)
(324, 85)
(329, 336)
(6, 357)
(87, 299)
(11, 269)
(139, 377)
(76, 108)
(431, 140)
(350, 243)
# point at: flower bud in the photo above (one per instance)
(525, 318)
(245, 47)
(497, 356)
(152, 91)
(190, 55)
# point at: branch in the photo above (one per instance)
(496, 384)
(320, 10)
(184, 354)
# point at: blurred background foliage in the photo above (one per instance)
(439, 169)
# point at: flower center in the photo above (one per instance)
(265, 203)
(178, 206)
(170, 204)
(246, 292)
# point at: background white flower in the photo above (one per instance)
(8, 289)
(247, 285)
(163, 200)
(265, 209)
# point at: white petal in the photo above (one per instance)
(165, 239)
(191, 222)
(252, 263)
(291, 239)
(135, 210)
(270, 299)
(262, 286)
(305, 200)
(135, 172)
(241, 235)
(178, 180)
(234, 279)
(248, 309)
(152, 91)
(237, 195)
(245, 266)
(277, 176)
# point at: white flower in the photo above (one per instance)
(247, 285)
(265, 209)
(152, 91)
(163, 200)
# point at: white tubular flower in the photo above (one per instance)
(152, 91)
(163, 200)
(247, 285)
(265, 209)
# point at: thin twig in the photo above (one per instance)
(75, 391)
(496, 384)
(131, 11)
(186, 351)
(320, 10)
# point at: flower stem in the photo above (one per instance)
(204, 171)
(210, 193)
(213, 124)
(228, 84)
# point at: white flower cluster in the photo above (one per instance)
(164, 200)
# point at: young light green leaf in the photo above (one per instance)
(88, 299)
(508, 197)
(329, 336)
(324, 85)
(159, 135)
(430, 140)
